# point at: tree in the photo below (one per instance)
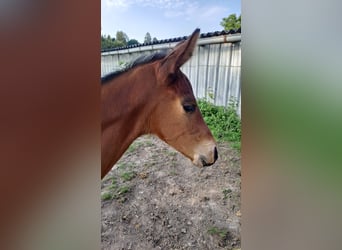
(154, 40)
(118, 44)
(132, 42)
(121, 38)
(107, 42)
(148, 38)
(231, 22)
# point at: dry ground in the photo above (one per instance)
(154, 198)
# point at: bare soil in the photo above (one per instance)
(154, 198)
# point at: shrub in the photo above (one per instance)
(223, 122)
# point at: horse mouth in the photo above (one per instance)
(204, 163)
(201, 162)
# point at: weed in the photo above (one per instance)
(127, 176)
(132, 147)
(172, 153)
(210, 94)
(121, 165)
(226, 192)
(106, 196)
(148, 143)
(223, 122)
(216, 231)
(113, 186)
(122, 64)
(119, 192)
(124, 165)
(123, 190)
(113, 181)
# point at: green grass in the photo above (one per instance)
(127, 176)
(172, 153)
(132, 147)
(123, 190)
(148, 143)
(106, 196)
(216, 231)
(116, 192)
(223, 122)
(124, 165)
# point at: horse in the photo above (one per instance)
(153, 96)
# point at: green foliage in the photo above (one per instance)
(132, 42)
(231, 22)
(122, 65)
(121, 37)
(107, 42)
(223, 122)
(118, 44)
(120, 40)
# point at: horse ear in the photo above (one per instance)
(179, 55)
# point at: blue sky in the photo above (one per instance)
(164, 18)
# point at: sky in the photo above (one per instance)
(164, 19)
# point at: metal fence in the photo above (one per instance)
(214, 70)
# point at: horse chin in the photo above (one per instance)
(197, 163)
(200, 161)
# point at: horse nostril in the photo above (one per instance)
(215, 154)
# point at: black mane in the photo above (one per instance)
(144, 59)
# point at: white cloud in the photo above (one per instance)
(196, 11)
(213, 11)
(189, 10)
(116, 3)
(182, 9)
(162, 4)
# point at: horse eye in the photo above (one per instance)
(189, 108)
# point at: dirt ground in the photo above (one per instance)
(154, 198)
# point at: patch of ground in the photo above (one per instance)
(154, 198)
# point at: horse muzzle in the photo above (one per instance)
(206, 158)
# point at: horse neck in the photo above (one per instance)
(125, 111)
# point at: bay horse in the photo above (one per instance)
(153, 96)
